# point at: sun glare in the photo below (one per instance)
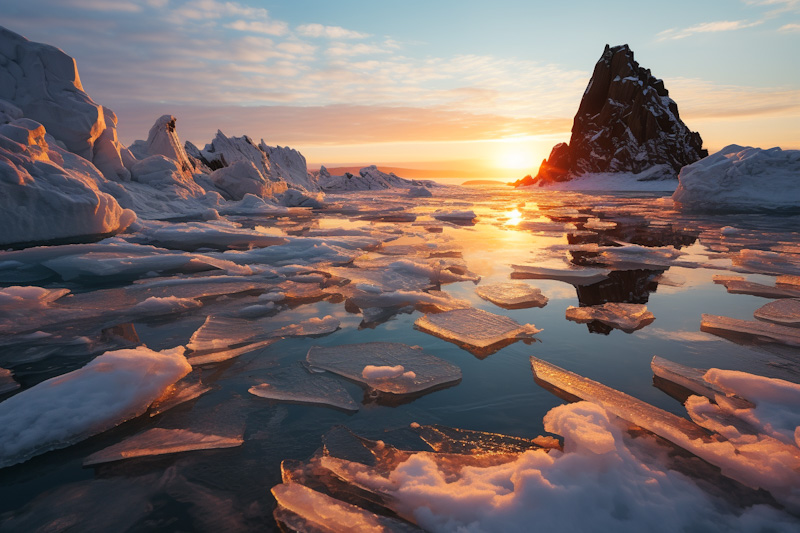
(514, 218)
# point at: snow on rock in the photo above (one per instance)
(741, 179)
(626, 122)
(241, 178)
(48, 193)
(43, 82)
(163, 140)
(66, 409)
(290, 165)
(370, 179)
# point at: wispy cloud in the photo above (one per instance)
(790, 28)
(330, 32)
(259, 26)
(706, 27)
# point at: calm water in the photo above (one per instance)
(228, 490)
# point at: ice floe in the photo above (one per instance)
(475, 328)
(755, 329)
(786, 312)
(61, 411)
(295, 383)
(627, 317)
(512, 295)
(160, 441)
(386, 367)
(572, 275)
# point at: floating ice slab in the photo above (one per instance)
(759, 289)
(691, 379)
(753, 328)
(389, 367)
(61, 411)
(457, 217)
(785, 312)
(789, 281)
(627, 317)
(190, 236)
(179, 393)
(573, 276)
(767, 262)
(159, 441)
(304, 509)
(512, 295)
(7, 383)
(445, 439)
(598, 224)
(474, 327)
(296, 384)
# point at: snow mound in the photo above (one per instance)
(63, 410)
(741, 179)
(47, 193)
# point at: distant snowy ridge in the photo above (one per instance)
(64, 174)
(741, 179)
(626, 122)
(369, 179)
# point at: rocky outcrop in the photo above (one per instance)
(43, 83)
(626, 122)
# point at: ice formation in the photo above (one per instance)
(742, 286)
(369, 178)
(178, 394)
(387, 367)
(573, 276)
(7, 383)
(786, 312)
(692, 379)
(474, 327)
(61, 411)
(512, 295)
(296, 384)
(159, 441)
(767, 262)
(627, 317)
(751, 328)
(741, 178)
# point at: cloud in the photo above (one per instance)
(103, 5)
(259, 26)
(702, 99)
(706, 27)
(330, 32)
(790, 28)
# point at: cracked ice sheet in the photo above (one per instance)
(389, 367)
(159, 441)
(627, 317)
(785, 312)
(61, 411)
(296, 384)
(599, 473)
(763, 463)
(474, 327)
(190, 236)
(512, 295)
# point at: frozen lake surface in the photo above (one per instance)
(250, 296)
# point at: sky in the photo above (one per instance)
(451, 85)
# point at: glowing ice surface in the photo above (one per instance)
(66, 409)
(474, 327)
(512, 295)
(181, 392)
(159, 441)
(786, 312)
(420, 371)
(627, 317)
(691, 379)
(754, 328)
(573, 276)
(296, 384)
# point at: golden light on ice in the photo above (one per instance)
(514, 217)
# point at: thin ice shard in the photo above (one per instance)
(181, 393)
(751, 328)
(692, 380)
(296, 384)
(474, 327)
(159, 441)
(785, 312)
(388, 367)
(445, 439)
(512, 295)
(304, 509)
(627, 317)
(759, 289)
(626, 407)
(573, 276)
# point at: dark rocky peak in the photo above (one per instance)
(626, 122)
